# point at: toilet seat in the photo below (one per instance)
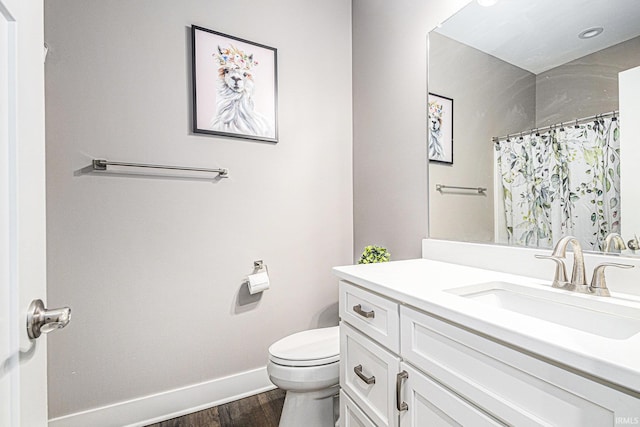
(307, 366)
(315, 347)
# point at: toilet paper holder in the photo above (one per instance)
(259, 266)
(258, 281)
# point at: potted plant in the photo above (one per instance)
(373, 254)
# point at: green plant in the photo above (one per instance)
(373, 254)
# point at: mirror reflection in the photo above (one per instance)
(543, 97)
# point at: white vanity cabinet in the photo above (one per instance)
(403, 367)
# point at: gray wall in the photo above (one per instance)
(153, 268)
(484, 107)
(390, 121)
(586, 86)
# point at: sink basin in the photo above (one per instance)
(605, 317)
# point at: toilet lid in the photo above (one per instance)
(307, 348)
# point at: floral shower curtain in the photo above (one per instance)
(565, 181)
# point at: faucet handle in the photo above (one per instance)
(560, 278)
(598, 281)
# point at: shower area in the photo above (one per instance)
(559, 180)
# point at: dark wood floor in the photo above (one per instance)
(262, 410)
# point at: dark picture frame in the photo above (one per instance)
(235, 86)
(440, 129)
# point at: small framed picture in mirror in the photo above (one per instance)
(440, 132)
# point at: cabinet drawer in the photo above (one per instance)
(360, 360)
(430, 404)
(523, 390)
(351, 415)
(373, 315)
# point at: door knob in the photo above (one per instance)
(40, 319)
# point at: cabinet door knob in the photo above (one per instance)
(368, 380)
(366, 314)
(402, 406)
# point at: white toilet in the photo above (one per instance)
(307, 366)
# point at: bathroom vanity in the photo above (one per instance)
(426, 343)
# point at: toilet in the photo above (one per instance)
(307, 366)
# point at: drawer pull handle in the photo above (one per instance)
(358, 371)
(366, 314)
(402, 406)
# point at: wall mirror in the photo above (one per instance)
(537, 89)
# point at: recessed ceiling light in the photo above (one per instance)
(487, 3)
(591, 33)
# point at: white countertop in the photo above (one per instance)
(421, 283)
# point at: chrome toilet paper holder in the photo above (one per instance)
(258, 281)
(259, 266)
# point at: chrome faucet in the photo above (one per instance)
(578, 273)
(618, 243)
(578, 282)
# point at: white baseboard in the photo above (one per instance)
(170, 404)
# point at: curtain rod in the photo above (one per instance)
(575, 122)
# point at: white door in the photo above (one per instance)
(23, 387)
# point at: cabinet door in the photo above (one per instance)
(351, 415)
(519, 389)
(430, 404)
(368, 376)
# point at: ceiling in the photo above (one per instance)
(538, 35)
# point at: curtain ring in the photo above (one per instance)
(576, 126)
